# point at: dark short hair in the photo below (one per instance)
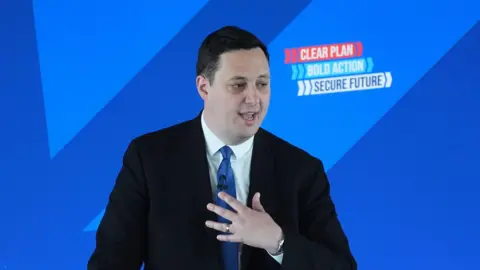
(225, 39)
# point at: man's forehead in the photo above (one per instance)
(243, 65)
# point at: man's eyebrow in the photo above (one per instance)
(238, 78)
(243, 78)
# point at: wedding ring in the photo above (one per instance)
(227, 228)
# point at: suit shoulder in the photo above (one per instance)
(161, 138)
(287, 152)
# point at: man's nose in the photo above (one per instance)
(251, 95)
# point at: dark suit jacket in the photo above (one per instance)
(157, 209)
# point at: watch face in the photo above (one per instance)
(280, 246)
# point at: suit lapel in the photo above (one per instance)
(261, 171)
(195, 155)
(261, 180)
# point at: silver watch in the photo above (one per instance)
(279, 247)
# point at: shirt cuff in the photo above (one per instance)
(278, 258)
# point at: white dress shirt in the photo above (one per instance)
(240, 160)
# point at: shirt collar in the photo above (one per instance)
(214, 143)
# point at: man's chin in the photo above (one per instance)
(250, 131)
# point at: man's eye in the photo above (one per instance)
(262, 84)
(239, 85)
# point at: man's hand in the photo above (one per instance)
(253, 227)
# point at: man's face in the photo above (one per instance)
(237, 101)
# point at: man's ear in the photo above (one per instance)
(203, 86)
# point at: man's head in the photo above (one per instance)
(233, 79)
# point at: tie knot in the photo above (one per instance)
(226, 152)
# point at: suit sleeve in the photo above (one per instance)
(320, 243)
(121, 235)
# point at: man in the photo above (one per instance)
(218, 191)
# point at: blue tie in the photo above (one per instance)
(226, 183)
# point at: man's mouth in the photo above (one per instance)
(249, 116)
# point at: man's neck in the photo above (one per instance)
(224, 139)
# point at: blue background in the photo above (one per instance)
(80, 79)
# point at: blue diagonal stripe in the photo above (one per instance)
(83, 70)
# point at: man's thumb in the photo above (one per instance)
(256, 204)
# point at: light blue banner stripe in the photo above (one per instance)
(294, 72)
(369, 64)
(301, 71)
(333, 68)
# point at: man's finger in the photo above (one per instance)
(234, 203)
(227, 214)
(221, 227)
(229, 238)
